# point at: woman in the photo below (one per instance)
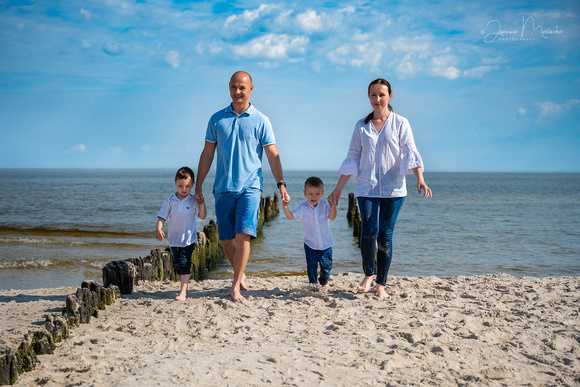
(381, 152)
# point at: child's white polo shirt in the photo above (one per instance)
(182, 216)
(315, 224)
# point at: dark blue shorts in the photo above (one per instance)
(182, 259)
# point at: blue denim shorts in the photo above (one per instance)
(182, 259)
(237, 213)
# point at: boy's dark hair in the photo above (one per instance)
(184, 173)
(313, 181)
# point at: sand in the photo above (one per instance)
(480, 330)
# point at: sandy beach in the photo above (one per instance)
(480, 330)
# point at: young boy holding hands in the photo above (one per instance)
(314, 215)
(181, 209)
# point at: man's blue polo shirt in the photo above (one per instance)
(239, 143)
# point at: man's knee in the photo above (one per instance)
(240, 237)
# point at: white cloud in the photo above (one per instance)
(76, 148)
(86, 13)
(444, 66)
(213, 48)
(522, 111)
(550, 108)
(111, 48)
(272, 46)
(358, 54)
(480, 71)
(310, 21)
(172, 57)
(417, 44)
(236, 24)
(116, 149)
(408, 67)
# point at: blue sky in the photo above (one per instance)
(486, 86)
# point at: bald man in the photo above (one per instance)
(239, 133)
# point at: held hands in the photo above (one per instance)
(284, 196)
(199, 194)
(331, 201)
(333, 197)
(286, 201)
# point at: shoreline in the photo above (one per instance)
(487, 329)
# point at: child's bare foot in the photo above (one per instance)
(365, 285)
(180, 297)
(381, 292)
(237, 296)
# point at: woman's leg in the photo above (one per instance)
(369, 211)
(389, 211)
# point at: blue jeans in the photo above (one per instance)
(313, 257)
(378, 217)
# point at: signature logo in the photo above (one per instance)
(529, 31)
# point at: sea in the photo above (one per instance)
(59, 227)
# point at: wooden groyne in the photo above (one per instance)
(88, 300)
(157, 266)
(119, 277)
(353, 216)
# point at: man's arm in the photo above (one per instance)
(276, 167)
(203, 167)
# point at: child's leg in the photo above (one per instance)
(311, 264)
(184, 279)
(325, 266)
(182, 267)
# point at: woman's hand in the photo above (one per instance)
(422, 186)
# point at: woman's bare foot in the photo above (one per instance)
(237, 296)
(381, 292)
(365, 285)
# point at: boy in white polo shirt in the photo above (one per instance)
(314, 215)
(181, 209)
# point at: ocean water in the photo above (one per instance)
(60, 227)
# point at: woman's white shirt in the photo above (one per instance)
(379, 161)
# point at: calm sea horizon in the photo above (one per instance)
(59, 227)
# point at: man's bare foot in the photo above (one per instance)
(243, 283)
(365, 285)
(381, 292)
(180, 298)
(237, 296)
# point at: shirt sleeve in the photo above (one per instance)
(164, 211)
(211, 131)
(350, 165)
(410, 155)
(297, 213)
(267, 136)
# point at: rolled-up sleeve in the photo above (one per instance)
(350, 165)
(410, 157)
